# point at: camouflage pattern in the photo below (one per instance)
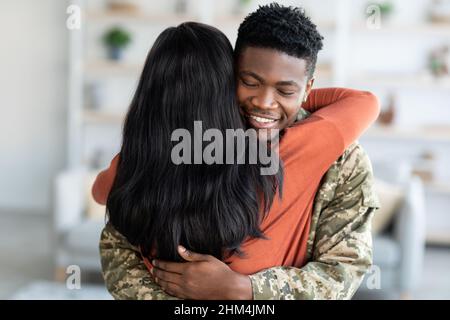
(339, 246)
(124, 271)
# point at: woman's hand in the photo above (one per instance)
(202, 277)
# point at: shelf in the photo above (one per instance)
(402, 81)
(438, 187)
(326, 25)
(423, 29)
(109, 67)
(124, 16)
(441, 134)
(173, 18)
(324, 70)
(438, 237)
(232, 19)
(102, 117)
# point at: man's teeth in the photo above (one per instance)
(259, 119)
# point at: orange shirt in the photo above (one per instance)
(307, 150)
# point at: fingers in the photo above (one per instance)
(190, 255)
(159, 274)
(174, 267)
(171, 288)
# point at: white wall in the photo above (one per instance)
(32, 101)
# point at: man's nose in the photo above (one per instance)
(264, 99)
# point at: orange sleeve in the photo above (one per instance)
(104, 182)
(352, 113)
(315, 143)
(319, 98)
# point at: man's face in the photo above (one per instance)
(271, 87)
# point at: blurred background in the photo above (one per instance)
(68, 72)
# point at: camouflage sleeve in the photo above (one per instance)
(124, 271)
(339, 250)
(340, 242)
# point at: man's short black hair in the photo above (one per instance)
(285, 29)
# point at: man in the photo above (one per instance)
(276, 53)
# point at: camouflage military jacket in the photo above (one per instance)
(339, 250)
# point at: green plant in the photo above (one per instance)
(117, 38)
(385, 8)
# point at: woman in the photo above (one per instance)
(215, 209)
(188, 76)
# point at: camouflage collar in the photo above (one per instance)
(302, 114)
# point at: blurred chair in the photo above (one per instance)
(76, 233)
(398, 250)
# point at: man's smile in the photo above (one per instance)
(262, 121)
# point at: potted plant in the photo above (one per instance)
(116, 39)
(385, 8)
(241, 6)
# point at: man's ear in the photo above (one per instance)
(309, 86)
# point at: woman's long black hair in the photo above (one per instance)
(188, 76)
